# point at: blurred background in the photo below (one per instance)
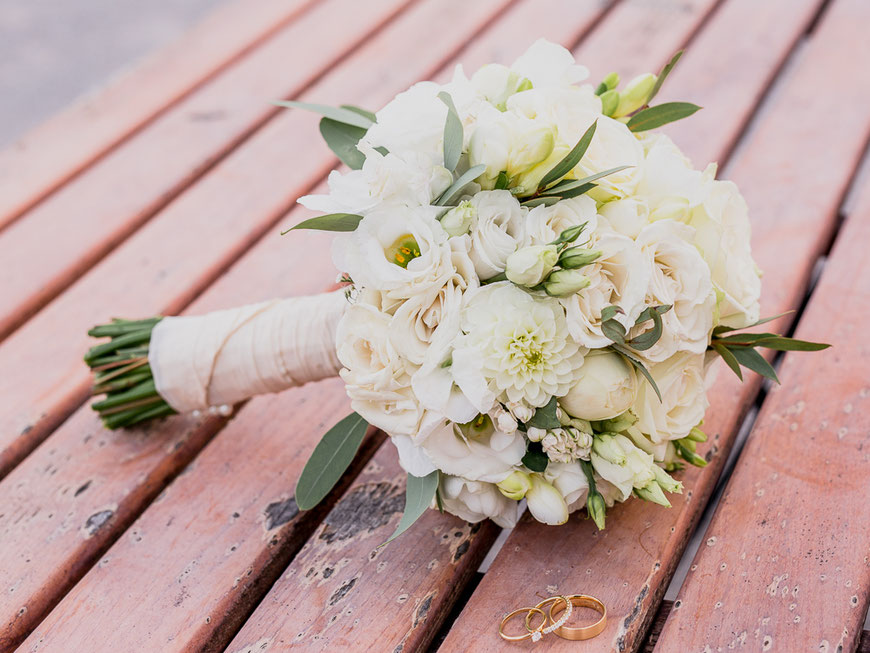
(53, 51)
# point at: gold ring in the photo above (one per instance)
(553, 625)
(581, 601)
(535, 634)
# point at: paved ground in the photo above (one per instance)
(52, 51)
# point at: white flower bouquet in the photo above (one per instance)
(536, 286)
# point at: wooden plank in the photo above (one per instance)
(793, 212)
(51, 154)
(343, 593)
(258, 275)
(42, 379)
(81, 454)
(93, 213)
(785, 563)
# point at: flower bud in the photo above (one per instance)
(611, 81)
(635, 95)
(546, 503)
(521, 411)
(653, 492)
(563, 283)
(697, 435)
(618, 423)
(530, 147)
(457, 221)
(497, 83)
(667, 483)
(607, 448)
(535, 434)
(577, 257)
(529, 266)
(515, 486)
(596, 508)
(606, 387)
(506, 422)
(609, 102)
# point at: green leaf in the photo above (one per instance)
(419, 493)
(574, 184)
(610, 312)
(339, 114)
(452, 133)
(545, 416)
(571, 159)
(661, 114)
(729, 359)
(502, 181)
(329, 460)
(329, 222)
(639, 366)
(541, 201)
(646, 340)
(726, 329)
(365, 113)
(570, 234)
(688, 455)
(662, 76)
(342, 139)
(535, 458)
(614, 330)
(754, 361)
(792, 344)
(453, 193)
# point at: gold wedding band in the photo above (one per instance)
(581, 601)
(533, 634)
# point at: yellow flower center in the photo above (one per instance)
(404, 250)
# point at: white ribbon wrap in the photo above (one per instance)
(224, 357)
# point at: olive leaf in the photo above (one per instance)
(453, 135)
(329, 222)
(419, 492)
(348, 115)
(662, 76)
(661, 114)
(570, 160)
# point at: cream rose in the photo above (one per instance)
(496, 231)
(475, 501)
(570, 481)
(606, 386)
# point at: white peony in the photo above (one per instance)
(496, 231)
(515, 348)
(403, 253)
(475, 501)
(681, 381)
(375, 376)
(606, 387)
(679, 277)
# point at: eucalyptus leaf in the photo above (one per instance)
(453, 135)
(610, 312)
(661, 114)
(545, 417)
(751, 359)
(419, 493)
(329, 222)
(329, 460)
(453, 193)
(365, 113)
(342, 139)
(573, 184)
(662, 76)
(535, 458)
(614, 330)
(639, 366)
(339, 114)
(729, 358)
(570, 160)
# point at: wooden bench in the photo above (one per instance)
(166, 192)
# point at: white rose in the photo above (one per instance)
(722, 234)
(633, 469)
(619, 277)
(375, 376)
(667, 182)
(474, 501)
(627, 217)
(403, 253)
(496, 231)
(412, 180)
(545, 223)
(681, 381)
(606, 387)
(679, 277)
(497, 83)
(546, 502)
(411, 124)
(529, 266)
(548, 64)
(612, 145)
(570, 481)
(477, 451)
(515, 348)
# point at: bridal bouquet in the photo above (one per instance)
(536, 285)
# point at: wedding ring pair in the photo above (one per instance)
(554, 621)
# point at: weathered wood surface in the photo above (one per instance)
(54, 152)
(94, 212)
(784, 564)
(271, 268)
(343, 593)
(541, 558)
(41, 377)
